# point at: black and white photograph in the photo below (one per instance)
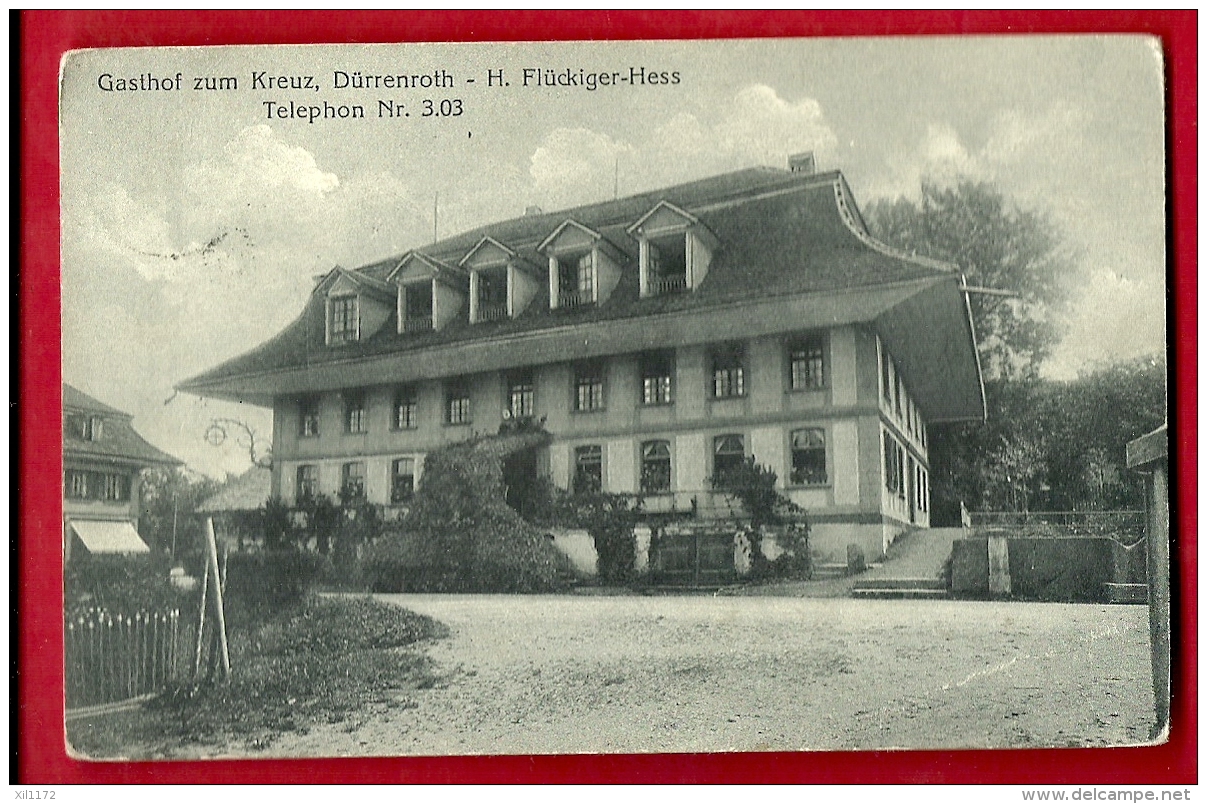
(628, 397)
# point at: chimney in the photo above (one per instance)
(533, 209)
(802, 163)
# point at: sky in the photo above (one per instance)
(194, 222)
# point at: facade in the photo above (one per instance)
(660, 338)
(103, 458)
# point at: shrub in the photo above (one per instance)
(609, 518)
(278, 578)
(460, 535)
(770, 512)
(120, 583)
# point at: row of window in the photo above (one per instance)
(352, 481)
(729, 453)
(80, 484)
(897, 398)
(806, 372)
(896, 469)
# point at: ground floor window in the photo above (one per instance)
(588, 469)
(308, 483)
(352, 487)
(809, 457)
(728, 455)
(655, 467)
(894, 466)
(402, 480)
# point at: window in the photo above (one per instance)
(891, 480)
(418, 317)
(88, 428)
(809, 457)
(897, 390)
(728, 455)
(100, 486)
(456, 404)
(117, 488)
(656, 372)
(655, 467)
(308, 417)
(402, 480)
(728, 373)
(576, 280)
(344, 324)
(807, 369)
(492, 295)
(406, 409)
(588, 387)
(75, 484)
(886, 384)
(352, 487)
(308, 483)
(521, 395)
(588, 469)
(355, 418)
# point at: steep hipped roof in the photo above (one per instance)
(118, 440)
(780, 236)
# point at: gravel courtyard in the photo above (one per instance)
(630, 674)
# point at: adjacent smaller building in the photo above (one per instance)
(103, 460)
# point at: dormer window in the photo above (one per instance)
(675, 250)
(343, 320)
(430, 294)
(584, 267)
(87, 428)
(501, 283)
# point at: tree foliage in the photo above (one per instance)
(167, 500)
(996, 245)
(1057, 445)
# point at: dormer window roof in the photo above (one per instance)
(584, 266)
(430, 292)
(355, 306)
(501, 283)
(675, 250)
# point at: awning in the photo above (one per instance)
(108, 537)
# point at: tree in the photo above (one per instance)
(167, 500)
(996, 245)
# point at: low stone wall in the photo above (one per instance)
(1073, 569)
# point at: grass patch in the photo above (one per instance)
(319, 661)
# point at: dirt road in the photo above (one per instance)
(672, 674)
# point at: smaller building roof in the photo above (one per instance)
(247, 492)
(118, 440)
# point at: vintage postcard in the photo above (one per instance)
(615, 397)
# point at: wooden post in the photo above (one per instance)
(999, 565)
(1149, 454)
(219, 616)
(205, 584)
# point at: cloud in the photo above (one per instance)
(577, 165)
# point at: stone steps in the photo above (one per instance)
(900, 593)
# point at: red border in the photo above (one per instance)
(44, 36)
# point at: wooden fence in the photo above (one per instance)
(116, 657)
